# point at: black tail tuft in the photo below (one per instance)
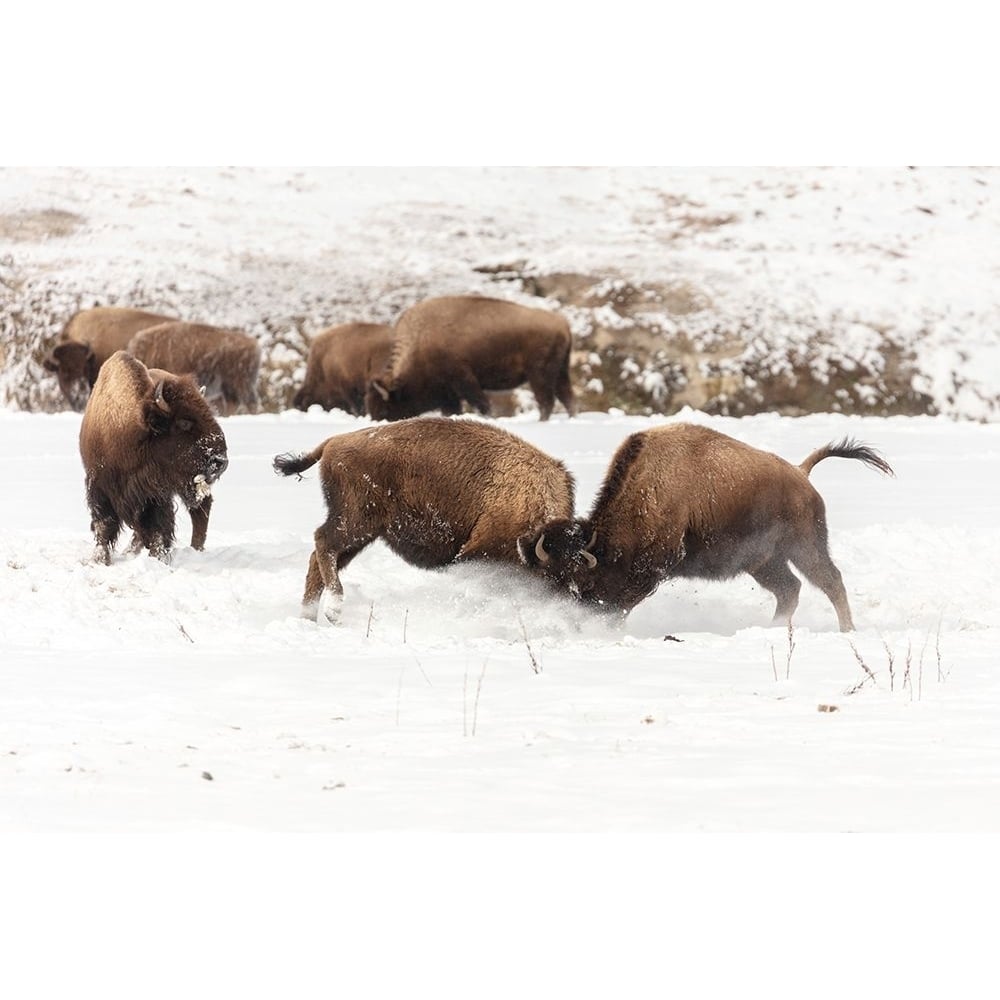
(292, 465)
(848, 448)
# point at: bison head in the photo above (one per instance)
(571, 556)
(561, 554)
(184, 432)
(382, 400)
(75, 368)
(385, 400)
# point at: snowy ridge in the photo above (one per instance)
(811, 269)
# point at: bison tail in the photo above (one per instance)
(848, 448)
(294, 465)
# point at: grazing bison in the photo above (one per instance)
(146, 437)
(225, 362)
(342, 361)
(449, 350)
(684, 500)
(437, 491)
(88, 339)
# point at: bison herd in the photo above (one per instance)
(679, 500)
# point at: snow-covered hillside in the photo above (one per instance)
(735, 290)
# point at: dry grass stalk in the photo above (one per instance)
(869, 676)
(535, 665)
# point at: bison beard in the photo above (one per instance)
(686, 501)
(143, 442)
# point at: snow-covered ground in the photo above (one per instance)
(143, 696)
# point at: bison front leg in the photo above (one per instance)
(105, 525)
(466, 386)
(199, 523)
(156, 528)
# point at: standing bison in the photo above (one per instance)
(437, 491)
(88, 339)
(342, 362)
(687, 501)
(447, 351)
(146, 437)
(225, 362)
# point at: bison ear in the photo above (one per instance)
(380, 389)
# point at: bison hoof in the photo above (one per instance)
(328, 612)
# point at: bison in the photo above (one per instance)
(226, 362)
(449, 350)
(686, 501)
(88, 339)
(436, 490)
(342, 361)
(146, 437)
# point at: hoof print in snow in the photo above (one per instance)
(827, 708)
(207, 776)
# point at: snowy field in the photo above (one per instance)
(192, 697)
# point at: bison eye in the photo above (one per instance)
(184, 425)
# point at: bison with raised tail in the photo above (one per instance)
(449, 350)
(226, 362)
(687, 501)
(88, 339)
(146, 437)
(342, 361)
(437, 491)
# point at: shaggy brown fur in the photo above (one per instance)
(447, 351)
(684, 500)
(88, 339)
(225, 362)
(342, 361)
(437, 491)
(146, 437)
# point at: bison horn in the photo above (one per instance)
(588, 557)
(161, 403)
(380, 389)
(543, 556)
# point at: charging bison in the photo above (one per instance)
(146, 437)
(436, 490)
(225, 362)
(88, 339)
(342, 361)
(447, 351)
(686, 501)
